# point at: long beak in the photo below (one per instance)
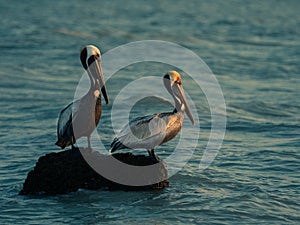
(96, 71)
(179, 92)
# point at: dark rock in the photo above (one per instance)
(67, 171)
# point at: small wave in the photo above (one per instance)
(257, 127)
(79, 34)
(265, 109)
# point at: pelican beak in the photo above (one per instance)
(96, 71)
(178, 91)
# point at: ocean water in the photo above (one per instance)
(252, 47)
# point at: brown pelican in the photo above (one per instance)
(83, 114)
(151, 131)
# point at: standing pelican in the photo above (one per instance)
(80, 118)
(151, 131)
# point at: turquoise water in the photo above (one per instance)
(253, 49)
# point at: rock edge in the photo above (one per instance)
(67, 171)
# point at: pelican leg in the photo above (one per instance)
(153, 156)
(89, 142)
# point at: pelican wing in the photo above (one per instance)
(65, 133)
(65, 116)
(142, 132)
(64, 119)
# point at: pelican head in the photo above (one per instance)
(90, 57)
(173, 83)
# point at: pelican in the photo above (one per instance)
(148, 132)
(83, 115)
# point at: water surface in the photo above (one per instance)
(253, 49)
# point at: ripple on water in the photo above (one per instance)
(255, 177)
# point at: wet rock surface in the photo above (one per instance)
(67, 171)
